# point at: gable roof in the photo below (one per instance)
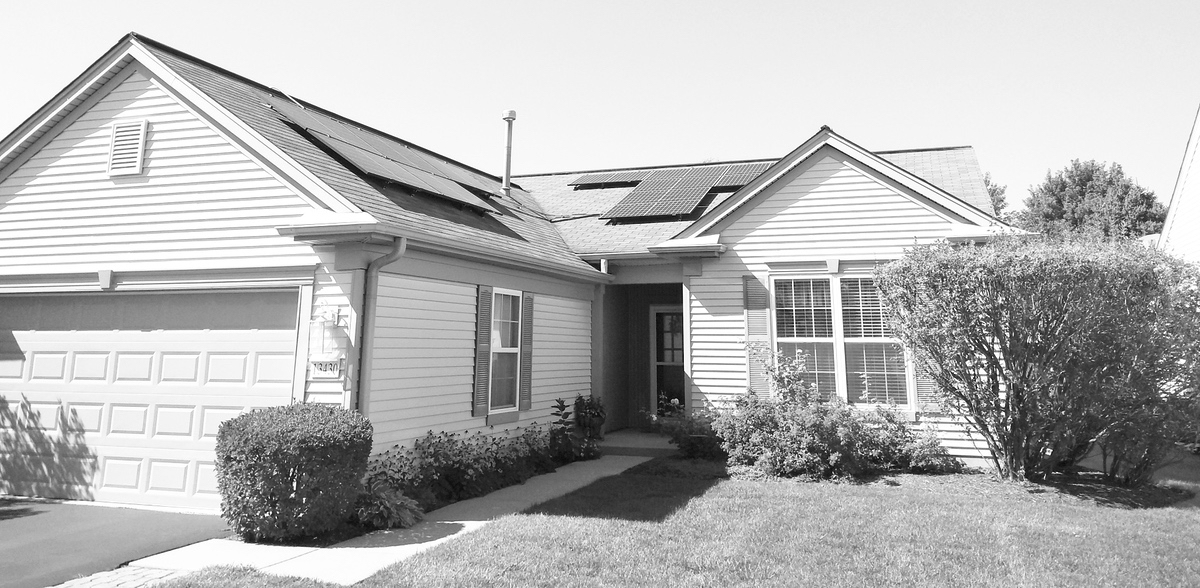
(519, 234)
(953, 171)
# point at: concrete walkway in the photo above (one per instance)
(354, 560)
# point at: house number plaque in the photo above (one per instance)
(325, 370)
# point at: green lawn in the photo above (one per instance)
(665, 524)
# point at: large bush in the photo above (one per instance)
(1048, 346)
(291, 471)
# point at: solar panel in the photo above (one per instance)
(611, 178)
(673, 192)
(386, 159)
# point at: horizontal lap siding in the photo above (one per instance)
(827, 211)
(959, 439)
(424, 357)
(200, 202)
(333, 294)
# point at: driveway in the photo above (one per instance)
(47, 543)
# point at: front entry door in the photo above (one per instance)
(666, 367)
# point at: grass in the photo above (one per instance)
(672, 523)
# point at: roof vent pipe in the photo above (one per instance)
(509, 117)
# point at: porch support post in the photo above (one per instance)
(599, 388)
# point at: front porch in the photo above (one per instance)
(642, 353)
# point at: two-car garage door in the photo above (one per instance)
(117, 397)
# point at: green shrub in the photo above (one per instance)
(927, 456)
(443, 468)
(795, 433)
(290, 472)
(381, 507)
(694, 436)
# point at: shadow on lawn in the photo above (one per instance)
(649, 492)
(1092, 486)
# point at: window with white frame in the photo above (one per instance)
(506, 350)
(844, 340)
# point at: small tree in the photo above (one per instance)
(996, 193)
(1046, 346)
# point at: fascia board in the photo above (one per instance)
(75, 92)
(1181, 180)
(704, 246)
(294, 173)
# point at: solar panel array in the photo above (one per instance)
(391, 160)
(611, 178)
(671, 192)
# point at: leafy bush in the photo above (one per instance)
(796, 433)
(1047, 346)
(291, 472)
(694, 435)
(382, 507)
(927, 456)
(443, 468)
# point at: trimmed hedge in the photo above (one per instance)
(291, 472)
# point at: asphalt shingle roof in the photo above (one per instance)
(576, 213)
(521, 231)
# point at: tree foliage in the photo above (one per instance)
(1092, 198)
(1047, 346)
(996, 193)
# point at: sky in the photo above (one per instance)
(1030, 85)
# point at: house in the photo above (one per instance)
(1176, 236)
(181, 244)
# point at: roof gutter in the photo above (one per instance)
(368, 320)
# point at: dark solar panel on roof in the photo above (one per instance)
(386, 159)
(678, 191)
(611, 178)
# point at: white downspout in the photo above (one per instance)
(370, 302)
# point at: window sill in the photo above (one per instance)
(503, 418)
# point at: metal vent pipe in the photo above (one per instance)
(509, 117)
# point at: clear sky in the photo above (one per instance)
(1031, 85)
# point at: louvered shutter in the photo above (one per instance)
(757, 302)
(483, 351)
(127, 148)
(525, 395)
(926, 389)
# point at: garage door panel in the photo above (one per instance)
(137, 385)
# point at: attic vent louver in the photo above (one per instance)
(127, 147)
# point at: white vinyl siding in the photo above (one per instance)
(828, 209)
(199, 202)
(423, 367)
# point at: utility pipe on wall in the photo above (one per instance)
(370, 303)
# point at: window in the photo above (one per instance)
(506, 351)
(844, 339)
(804, 329)
(503, 354)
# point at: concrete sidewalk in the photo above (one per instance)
(354, 560)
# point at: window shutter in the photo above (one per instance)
(483, 351)
(525, 394)
(757, 302)
(926, 389)
(126, 148)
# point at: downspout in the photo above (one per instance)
(370, 302)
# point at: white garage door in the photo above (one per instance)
(117, 397)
